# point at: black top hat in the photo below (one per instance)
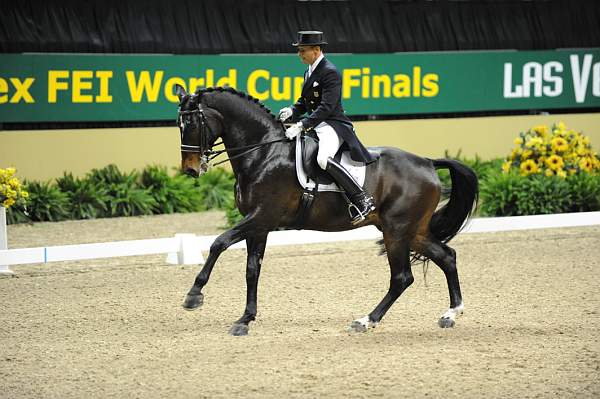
(310, 38)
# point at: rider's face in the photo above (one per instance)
(309, 54)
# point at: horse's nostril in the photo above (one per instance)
(191, 172)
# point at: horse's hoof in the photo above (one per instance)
(193, 301)
(358, 327)
(239, 330)
(361, 325)
(446, 322)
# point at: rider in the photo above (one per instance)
(321, 98)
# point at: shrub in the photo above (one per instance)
(125, 198)
(216, 188)
(172, 194)
(510, 194)
(47, 202)
(110, 174)
(17, 214)
(87, 199)
(549, 171)
(584, 192)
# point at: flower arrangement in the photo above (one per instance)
(11, 191)
(558, 151)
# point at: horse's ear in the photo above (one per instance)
(180, 91)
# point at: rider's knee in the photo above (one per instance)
(322, 160)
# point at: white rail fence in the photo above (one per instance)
(187, 248)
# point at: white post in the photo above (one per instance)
(4, 270)
(189, 251)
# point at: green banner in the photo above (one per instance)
(89, 87)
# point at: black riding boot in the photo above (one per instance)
(362, 201)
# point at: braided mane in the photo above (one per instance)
(240, 94)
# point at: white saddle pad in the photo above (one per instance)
(356, 169)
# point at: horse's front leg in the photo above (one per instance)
(256, 249)
(195, 298)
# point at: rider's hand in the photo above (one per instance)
(294, 130)
(284, 114)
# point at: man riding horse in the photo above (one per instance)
(405, 187)
(321, 99)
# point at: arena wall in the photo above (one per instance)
(46, 154)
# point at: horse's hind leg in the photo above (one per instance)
(445, 257)
(256, 250)
(400, 279)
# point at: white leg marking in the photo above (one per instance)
(362, 324)
(453, 313)
(448, 318)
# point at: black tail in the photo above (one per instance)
(447, 221)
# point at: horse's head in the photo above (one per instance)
(199, 126)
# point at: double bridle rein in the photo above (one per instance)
(206, 150)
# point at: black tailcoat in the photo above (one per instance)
(321, 98)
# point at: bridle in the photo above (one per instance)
(206, 149)
(203, 126)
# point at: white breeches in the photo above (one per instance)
(329, 143)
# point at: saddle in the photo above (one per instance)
(309, 142)
(314, 179)
(309, 173)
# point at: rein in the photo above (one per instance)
(208, 154)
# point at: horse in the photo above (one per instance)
(406, 189)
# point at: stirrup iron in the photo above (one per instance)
(358, 217)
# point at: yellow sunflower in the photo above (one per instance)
(534, 142)
(555, 162)
(549, 172)
(528, 167)
(11, 190)
(518, 141)
(14, 183)
(506, 166)
(541, 130)
(581, 150)
(561, 173)
(559, 144)
(515, 153)
(526, 154)
(8, 203)
(585, 164)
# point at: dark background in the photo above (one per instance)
(261, 26)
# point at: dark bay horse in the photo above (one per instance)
(406, 189)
